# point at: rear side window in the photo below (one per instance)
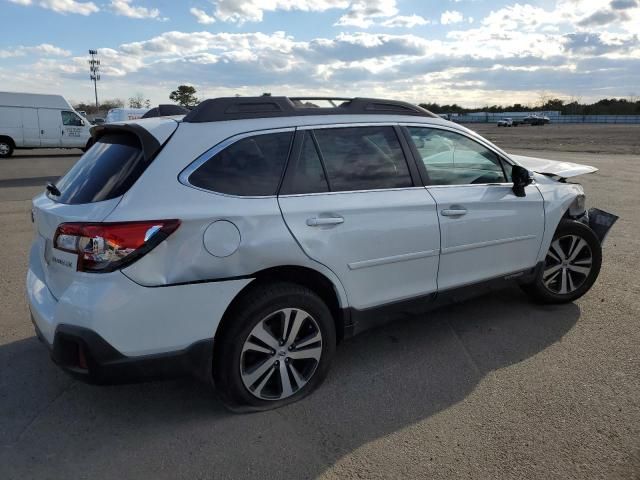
(363, 158)
(306, 174)
(107, 170)
(251, 166)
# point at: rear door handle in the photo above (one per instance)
(454, 212)
(319, 221)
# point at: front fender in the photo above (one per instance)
(558, 198)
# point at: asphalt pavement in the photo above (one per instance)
(495, 387)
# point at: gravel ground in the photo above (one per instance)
(586, 138)
(495, 387)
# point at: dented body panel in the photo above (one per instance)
(553, 167)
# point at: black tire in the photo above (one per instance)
(258, 304)
(543, 294)
(6, 147)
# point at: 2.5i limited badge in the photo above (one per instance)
(60, 261)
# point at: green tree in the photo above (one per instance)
(184, 95)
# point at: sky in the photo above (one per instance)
(470, 52)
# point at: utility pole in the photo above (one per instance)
(94, 71)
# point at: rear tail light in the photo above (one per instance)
(105, 247)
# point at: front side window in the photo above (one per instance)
(70, 119)
(453, 159)
(251, 166)
(362, 158)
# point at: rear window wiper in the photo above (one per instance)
(53, 190)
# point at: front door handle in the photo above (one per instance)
(454, 212)
(320, 221)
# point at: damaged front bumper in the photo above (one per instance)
(600, 222)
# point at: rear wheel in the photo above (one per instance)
(571, 266)
(274, 349)
(6, 148)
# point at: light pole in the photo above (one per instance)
(94, 71)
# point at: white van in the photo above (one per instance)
(124, 114)
(31, 120)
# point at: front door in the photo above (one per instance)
(50, 123)
(74, 133)
(486, 230)
(351, 203)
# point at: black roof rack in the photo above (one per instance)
(239, 108)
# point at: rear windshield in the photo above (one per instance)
(106, 171)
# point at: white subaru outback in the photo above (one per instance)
(242, 242)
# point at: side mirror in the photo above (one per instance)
(521, 178)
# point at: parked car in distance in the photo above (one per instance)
(536, 120)
(31, 120)
(235, 243)
(505, 122)
(98, 121)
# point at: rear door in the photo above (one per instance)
(352, 203)
(50, 122)
(30, 127)
(486, 230)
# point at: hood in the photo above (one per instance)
(553, 167)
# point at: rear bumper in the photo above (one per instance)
(88, 357)
(127, 331)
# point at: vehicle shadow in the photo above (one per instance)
(382, 381)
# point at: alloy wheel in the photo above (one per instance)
(5, 148)
(567, 265)
(281, 354)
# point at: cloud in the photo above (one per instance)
(587, 43)
(623, 4)
(404, 21)
(450, 17)
(517, 17)
(62, 6)
(363, 13)
(512, 51)
(202, 16)
(126, 9)
(241, 11)
(603, 17)
(42, 50)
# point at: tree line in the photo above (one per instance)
(185, 95)
(606, 106)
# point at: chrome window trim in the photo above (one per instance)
(396, 189)
(183, 177)
(503, 184)
(349, 125)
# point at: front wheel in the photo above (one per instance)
(571, 266)
(274, 349)
(6, 148)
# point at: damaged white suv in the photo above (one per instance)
(242, 242)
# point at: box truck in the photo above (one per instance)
(124, 114)
(32, 120)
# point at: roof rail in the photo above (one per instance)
(166, 110)
(239, 108)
